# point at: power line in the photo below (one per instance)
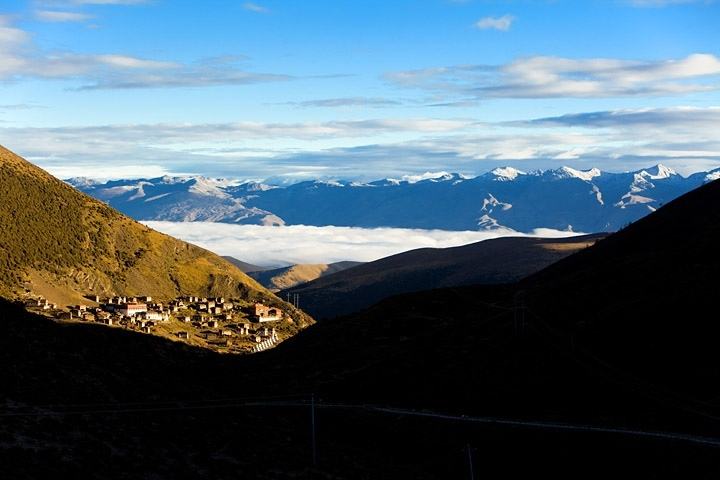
(538, 424)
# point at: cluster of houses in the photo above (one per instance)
(213, 321)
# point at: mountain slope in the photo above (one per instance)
(562, 199)
(62, 244)
(288, 277)
(501, 260)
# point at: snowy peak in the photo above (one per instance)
(79, 182)
(584, 175)
(659, 172)
(713, 175)
(208, 187)
(506, 174)
(434, 176)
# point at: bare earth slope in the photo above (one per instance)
(501, 260)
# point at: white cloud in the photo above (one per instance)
(305, 244)
(495, 23)
(254, 7)
(557, 77)
(60, 16)
(21, 58)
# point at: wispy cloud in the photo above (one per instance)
(254, 7)
(56, 16)
(304, 244)
(665, 3)
(346, 102)
(502, 23)
(21, 58)
(20, 106)
(556, 77)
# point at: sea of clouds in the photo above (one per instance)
(279, 246)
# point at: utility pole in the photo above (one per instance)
(519, 313)
(470, 462)
(312, 424)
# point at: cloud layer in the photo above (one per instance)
(684, 138)
(275, 246)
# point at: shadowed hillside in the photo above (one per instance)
(501, 260)
(244, 266)
(616, 338)
(288, 277)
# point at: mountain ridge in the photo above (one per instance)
(506, 197)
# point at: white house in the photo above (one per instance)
(131, 309)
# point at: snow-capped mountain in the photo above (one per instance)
(563, 199)
(181, 199)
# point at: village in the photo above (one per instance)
(217, 323)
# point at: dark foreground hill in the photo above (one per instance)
(606, 363)
(501, 260)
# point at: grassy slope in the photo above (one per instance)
(68, 239)
(501, 260)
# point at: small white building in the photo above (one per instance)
(154, 315)
(131, 309)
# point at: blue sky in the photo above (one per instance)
(358, 89)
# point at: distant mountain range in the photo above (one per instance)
(562, 199)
